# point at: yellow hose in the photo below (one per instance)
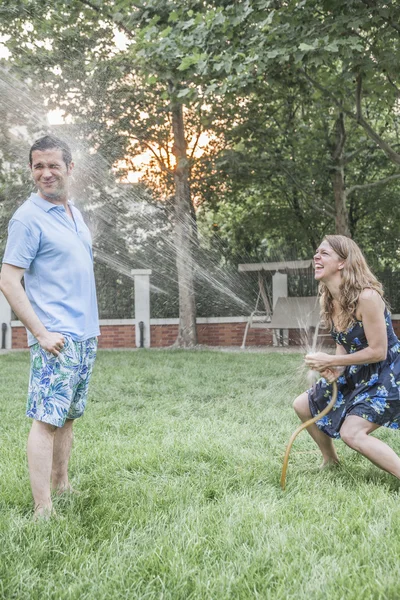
(303, 426)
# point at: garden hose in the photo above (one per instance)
(304, 426)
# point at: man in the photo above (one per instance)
(50, 246)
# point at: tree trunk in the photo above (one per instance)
(339, 192)
(338, 180)
(184, 236)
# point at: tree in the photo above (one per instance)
(18, 122)
(288, 151)
(346, 52)
(128, 100)
(319, 75)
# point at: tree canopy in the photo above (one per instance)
(269, 124)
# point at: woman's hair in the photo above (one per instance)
(356, 277)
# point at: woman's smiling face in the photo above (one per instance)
(327, 263)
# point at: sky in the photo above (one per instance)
(4, 53)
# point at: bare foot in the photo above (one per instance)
(329, 463)
(43, 513)
(65, 489)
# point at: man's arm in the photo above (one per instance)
(11, 286)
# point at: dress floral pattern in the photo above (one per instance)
(370, 391)
(58, 385)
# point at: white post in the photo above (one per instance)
(142, 305)
(5, 318)
(280, 290)
(279, 287)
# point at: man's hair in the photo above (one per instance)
(48, 142)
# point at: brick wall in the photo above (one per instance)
(297, 337)
(163, 335)
(120, 335)
(209, 334)
(231, 334)
(112, 336)
(396, 327)
(117, 336)
(18, 338)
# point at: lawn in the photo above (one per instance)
(178, 462)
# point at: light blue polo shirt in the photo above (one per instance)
(56, 252)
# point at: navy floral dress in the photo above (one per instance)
(370, 391)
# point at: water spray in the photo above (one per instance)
(304, 425)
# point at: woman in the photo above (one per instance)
(366, 365)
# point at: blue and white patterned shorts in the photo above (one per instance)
(58, 385)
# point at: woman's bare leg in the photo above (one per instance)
(355, 433)
(323, 441)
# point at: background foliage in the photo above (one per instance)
(291, 122)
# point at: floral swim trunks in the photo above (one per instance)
(58, 385)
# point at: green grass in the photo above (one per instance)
(178, 460)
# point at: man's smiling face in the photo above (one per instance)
(50, 174)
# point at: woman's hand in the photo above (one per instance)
(332, 374)
(319, 361)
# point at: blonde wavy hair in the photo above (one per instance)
(356, 277)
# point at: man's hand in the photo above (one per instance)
(52, 342)
(319, 361)
(10, 285)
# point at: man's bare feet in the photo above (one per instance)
(65, 489)
(43, 513)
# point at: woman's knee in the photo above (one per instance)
(301, 405)
(350, 435)
(355, 430)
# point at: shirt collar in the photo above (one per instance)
(44, 204)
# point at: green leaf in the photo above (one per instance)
(187, 62)
(193, 59)
(118, 17)
(165, 32)
(273, 53)
(332, 47)
(184, 92)
(173, 17)
(306, 47)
